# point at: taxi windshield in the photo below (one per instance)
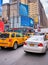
(4, 35)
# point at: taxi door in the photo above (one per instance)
(20, 38)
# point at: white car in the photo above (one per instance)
(36, 44)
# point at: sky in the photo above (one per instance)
(44, 2)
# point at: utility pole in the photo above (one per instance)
(17, 11)
(13, 19)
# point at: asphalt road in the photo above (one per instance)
(19, 57)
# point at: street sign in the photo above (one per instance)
(36, 19)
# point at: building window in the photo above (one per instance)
(14, 0)
(29, 1)
(32, 1)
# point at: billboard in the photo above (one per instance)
(1, 7)
(23, 9)
(1, 26)
(26, 21)
(5, 1)
(1, 2)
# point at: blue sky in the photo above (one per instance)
(44, 2)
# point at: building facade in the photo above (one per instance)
(6, 10)
(14, 14)
(43, 18)
(35, 11)
(24, 2)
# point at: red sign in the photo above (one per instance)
(1, 26)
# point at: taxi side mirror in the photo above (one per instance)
(46, 37)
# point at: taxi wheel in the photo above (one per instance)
(2, 47)
(46, 50)
(15, 46)
(26, 52)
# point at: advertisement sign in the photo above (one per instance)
(31, 22)
(1, 7)
(36, 19)
(1, 2)
(6, 1)
(26, 21)
(1, 26)
(23, 9)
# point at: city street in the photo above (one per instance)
(23, 22)
(19, 57)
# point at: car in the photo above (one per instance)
(11, 39)
(36, 44)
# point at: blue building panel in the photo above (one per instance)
(23, 9)
(1, 2)
(1, 7)
(26, 21)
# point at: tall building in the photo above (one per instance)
(14, 13)
(35, 11)
(13, 8)
(6, 10)
(24, 2)
(43, 18)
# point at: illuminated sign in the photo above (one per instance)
(26, 21)
(0, 2)
(1, 26)
(5, 1)
(23, 9)
(1, 7)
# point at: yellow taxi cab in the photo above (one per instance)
(28, 34)
(11, 39)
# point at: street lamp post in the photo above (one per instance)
(13, 19)
(17, 11)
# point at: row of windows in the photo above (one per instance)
(17, 35)
(12, 35)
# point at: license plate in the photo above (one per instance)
(31, 44)
(3, 39)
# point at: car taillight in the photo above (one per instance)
(40, 45)
(25, 43)
(10, 40)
